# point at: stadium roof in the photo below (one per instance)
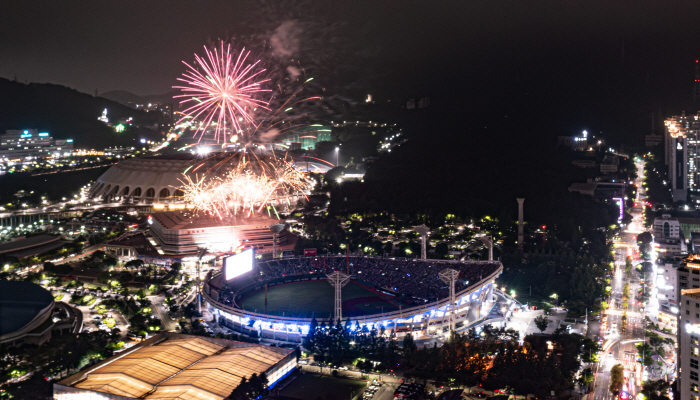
(182, 220)
(182, 368)
(20, 303)
(28, 243)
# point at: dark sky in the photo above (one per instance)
(597, 51)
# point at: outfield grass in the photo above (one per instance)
(314, 387)
(304, 299)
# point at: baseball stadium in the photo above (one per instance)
(278, 299)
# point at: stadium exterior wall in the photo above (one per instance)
(435, 315)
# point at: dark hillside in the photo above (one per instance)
(67, 113)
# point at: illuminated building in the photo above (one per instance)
(668, 235)
(20, 144)
(682, 155)
(180, 233)
(177, 366)
(147, 179)
(473, 303)
(688, 361)
(307, 137)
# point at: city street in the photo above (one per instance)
(619, 347)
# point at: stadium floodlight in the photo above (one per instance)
(450, 276)
(423, 231)
(201, 251)
(275, 229)
(338, 279)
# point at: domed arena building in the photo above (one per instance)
(29, 314)
(150, 179)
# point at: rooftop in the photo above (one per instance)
(27, 243)
(694, 293)
(179, 367)
(20, 303)
(183, 220)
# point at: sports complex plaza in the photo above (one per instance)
(278, 298)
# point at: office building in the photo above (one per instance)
(17, 145)
(682, 155)
(668, 236)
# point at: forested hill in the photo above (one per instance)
(66, 113)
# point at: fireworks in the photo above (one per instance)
(223, 92)
(247, 188)
(226, 95)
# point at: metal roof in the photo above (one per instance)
(182, 368)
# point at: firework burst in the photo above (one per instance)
(224, 91)
(247, 188)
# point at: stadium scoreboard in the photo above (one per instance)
(238, 264)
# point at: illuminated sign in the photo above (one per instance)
(239, 264)
(44, 134)
(621, 204)
(69, 141)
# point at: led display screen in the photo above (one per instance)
(238, 264)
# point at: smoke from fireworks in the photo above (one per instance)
(224, 91)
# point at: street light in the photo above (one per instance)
(337, 151)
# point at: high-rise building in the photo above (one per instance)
(682, 155)
(689, 344)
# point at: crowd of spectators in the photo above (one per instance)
(416, 279)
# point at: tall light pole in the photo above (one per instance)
(423, 231)
(450, 276)
(200, 253)
(489, 241)
(338, 279)
(337, 152)
(276, 229)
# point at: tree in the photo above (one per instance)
(617, 379)
(645, 352)
(656, 390)
(541, 322)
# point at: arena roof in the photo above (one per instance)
(182, 220)
(27, 243)
(184, 367)
(20, 303)
(162, 174)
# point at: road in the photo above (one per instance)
(158, 307)
(619, 347)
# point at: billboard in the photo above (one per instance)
(309, 252)
(238, 264)
(288, 253)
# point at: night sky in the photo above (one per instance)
(592, 60)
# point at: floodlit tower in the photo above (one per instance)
(489, 241)
(696, 87)
(521, 228)
(423, 231)
(201, 251)
(338, 279)
(450, 276)
(275, 229)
